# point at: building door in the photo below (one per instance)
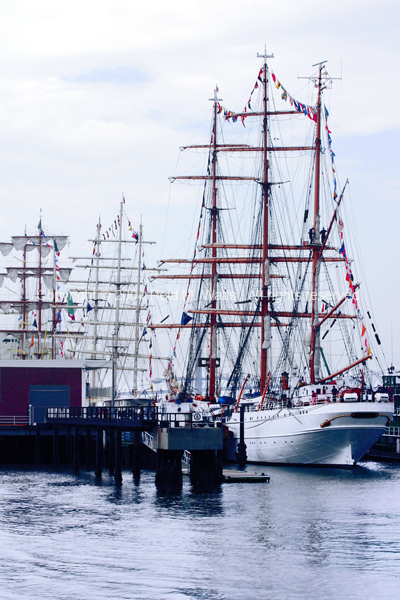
(47, 396)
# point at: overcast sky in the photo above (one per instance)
(97, 96)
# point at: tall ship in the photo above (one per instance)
(33, 295)
(279, 340)
(111, 287)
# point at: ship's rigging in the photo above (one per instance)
(273, 265)
(117, 317)
(34, 295)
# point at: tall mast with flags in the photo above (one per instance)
(266, 253)
(113, 327)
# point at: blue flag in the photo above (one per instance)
(185, 319)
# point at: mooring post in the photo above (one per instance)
(87, 444)
(37, 445)
(118, 456)
(76, 449)
(99, 452)
(55, 447)
(136, 459)
(241, 455)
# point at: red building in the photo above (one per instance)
(33, 385)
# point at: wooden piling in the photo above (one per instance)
(88, 436)
(136, 458)
(69, 446)
(76, 449)
(111, 451)
(118, 457)
(37, 445)
(205, 470)
(169, 471)
(55, 447)
(99, 452)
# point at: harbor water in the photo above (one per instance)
(309, 533)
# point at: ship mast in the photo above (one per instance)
(24, 304)
(137, 318)
(115, 314)
(40, 284)
(53, 311)
(262, 316)
(118, 286)
(214, 276)
(315, 353)
(265, 319)
(96, 296)
(43, 275)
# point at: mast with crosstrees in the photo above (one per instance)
(115, 300)
(315, 352)
(264, 256)
(265, 318)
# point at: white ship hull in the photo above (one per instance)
(296, 437)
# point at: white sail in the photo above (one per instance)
(32, 296)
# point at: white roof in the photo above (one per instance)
(53, 364)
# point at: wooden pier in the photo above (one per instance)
(93, 437)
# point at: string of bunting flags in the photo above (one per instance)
(332, 154)
(349, 279)
(114, 226)
(308, 111)
(228, 114)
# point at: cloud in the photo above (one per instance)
(116, 76)
(97, 97)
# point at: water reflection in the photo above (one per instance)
(71, 536)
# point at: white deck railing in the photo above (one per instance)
(392, 432)
(148, 440)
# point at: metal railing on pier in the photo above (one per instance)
(14, 421)
(145, 415)
(141, 416)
